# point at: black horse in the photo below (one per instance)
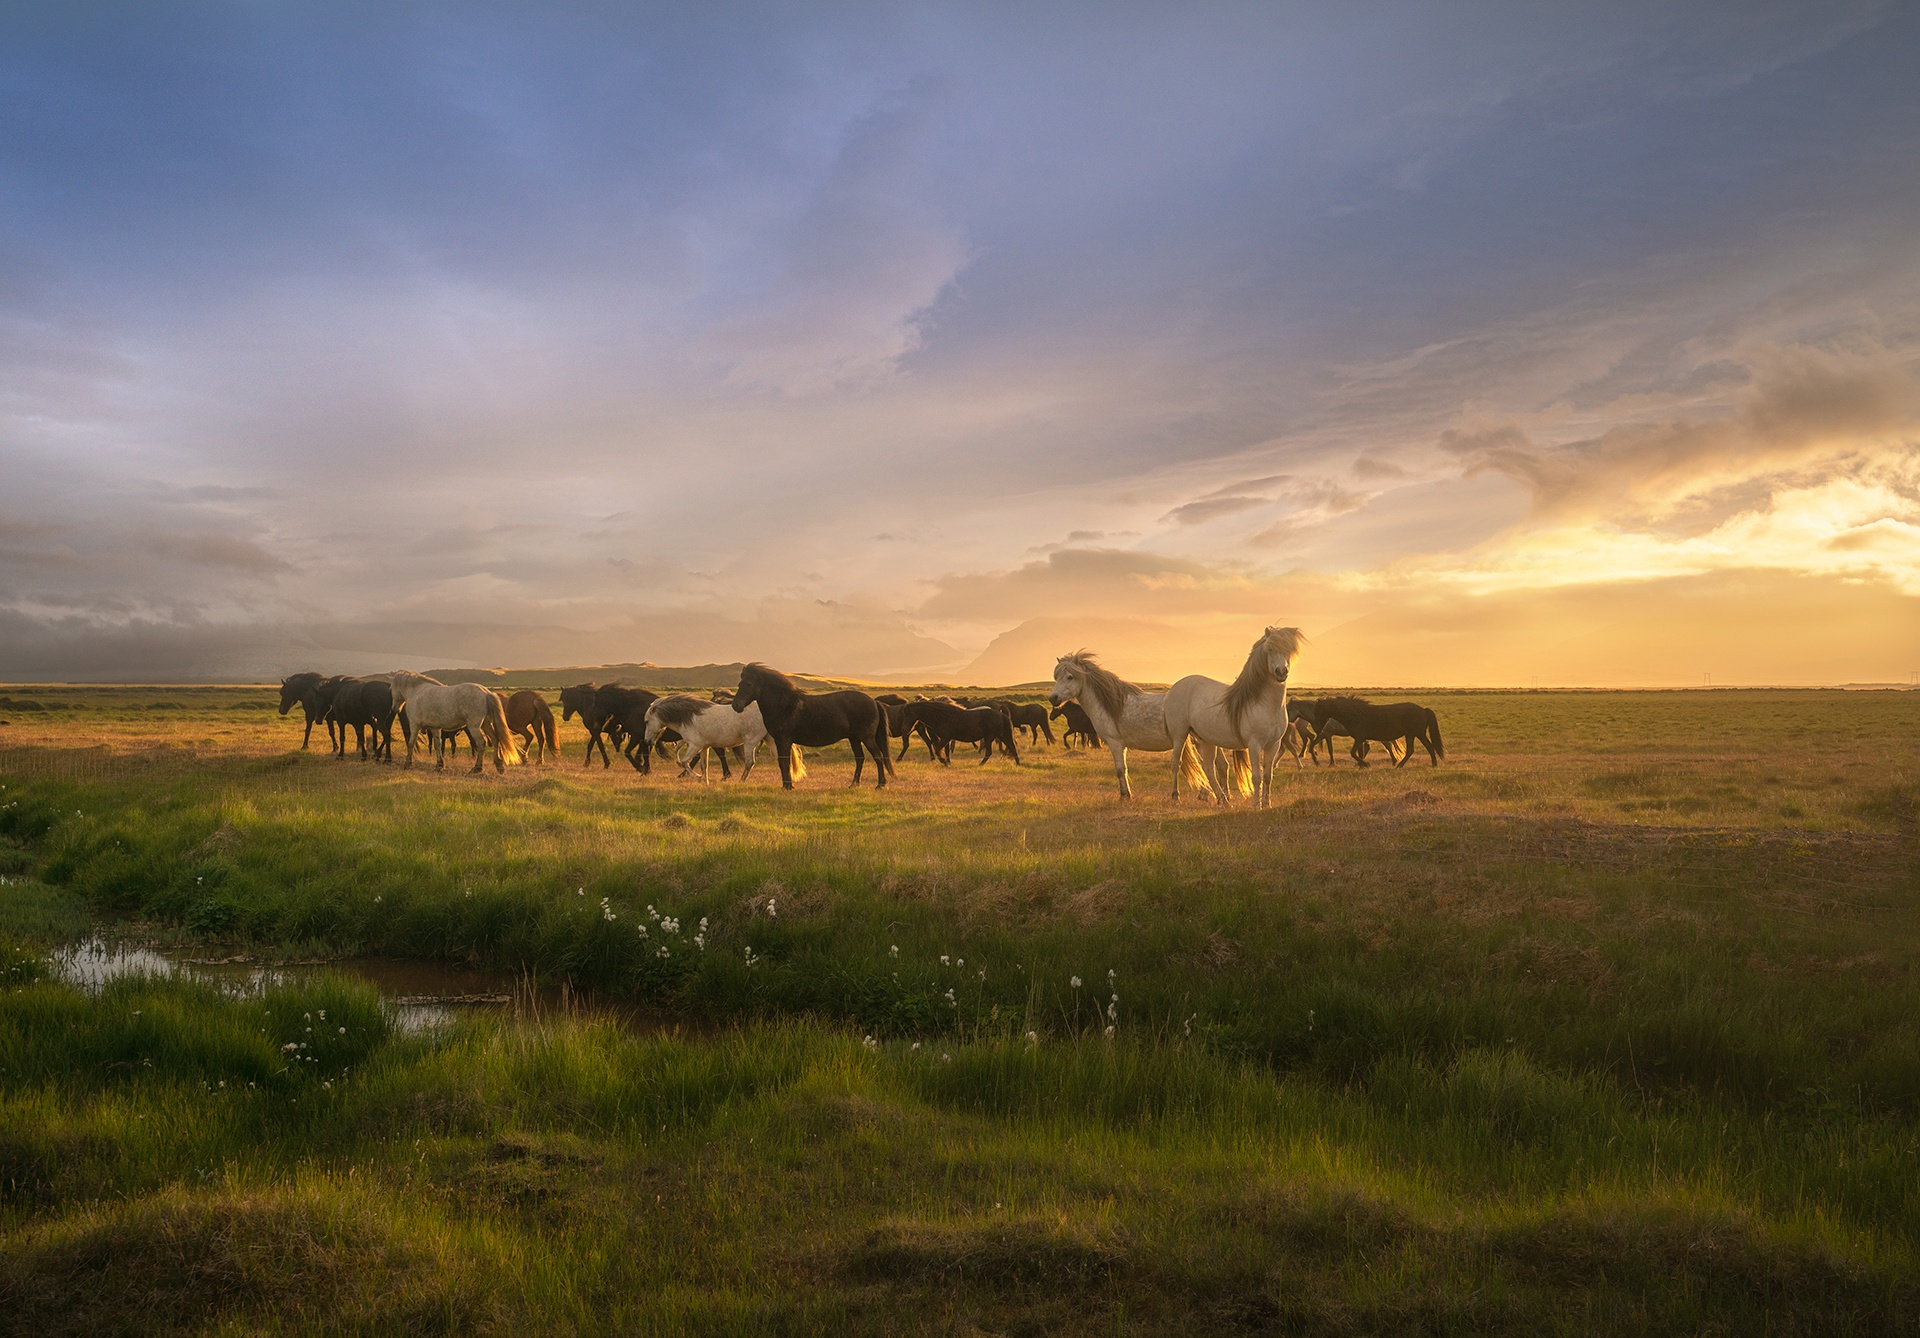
(318, 704)
(583, 699)
(1406, 723)
(1315, 716)
(814, 720)
(361, 705)
(293, 691)
(1078, 725)
(950, 724)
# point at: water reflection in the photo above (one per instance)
(420, 995)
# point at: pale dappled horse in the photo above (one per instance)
(1126, 717)
(441, 707)
(1247, 719)
(704, 724)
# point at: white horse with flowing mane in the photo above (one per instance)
(440, 707)
(703, 725)
(1246, 720)
(1126, 716)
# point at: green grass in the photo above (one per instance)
(1603, 1026)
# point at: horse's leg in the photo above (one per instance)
(1119, 751)
(859, 757)
(783, 751)
(478, 749)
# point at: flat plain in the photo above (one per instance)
(1605, 1025)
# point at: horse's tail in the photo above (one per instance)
(883, 755)
(1191, 771)
(799, 768)
(1433, 732)
(1237, 774)
(499, 738)
(544, 723)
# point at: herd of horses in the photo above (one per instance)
(1225, 738)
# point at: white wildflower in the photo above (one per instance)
(869, 1042)
(945, 960)
(916, 1045)
(894, 951)
(1033, 1038)
(962, 963)
(1076, 982)
(1109, 1031)
(772, 910)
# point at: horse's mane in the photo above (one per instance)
(1107, 687)
(679, 708)
(767, 677)
(1256, 673)
(399, 676)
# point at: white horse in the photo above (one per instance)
(440, 707)
(1247, 720)
(1125, 717)
(704, 725)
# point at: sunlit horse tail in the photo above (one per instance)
(499, 738)
(1236, 772)
(1191, 771)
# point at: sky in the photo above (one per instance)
(1491, 344)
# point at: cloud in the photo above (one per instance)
(1804, 408)
(219, 550)
(1371, 469)
(1198, 513)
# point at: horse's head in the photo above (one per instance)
(289, 695)
(1281, 644)
(752, 680)
(576, 699)
(1068, 682)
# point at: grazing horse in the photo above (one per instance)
(1125, 716)
(703, 726)
(1077, 725)
(814, 720)
(363, 704)
(948, 724)
(293, 690)
(1025, 715)
(529, 717)
(438, 707)
(1406, 722)
(1249, 717)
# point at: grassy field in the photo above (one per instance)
(1604, 1026)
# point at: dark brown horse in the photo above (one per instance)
(529, 716)
(900, 728)
(293, 691)
(583, 699)
(814, 720)
(1077, 725)
(1406, 723)
(950, 724)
